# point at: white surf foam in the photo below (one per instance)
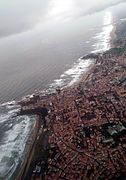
(9, 103)
(14, 144)
(103, 39)
(13, 137)
(7, 110)
(80, 66)
(4, 118)
(71, 75)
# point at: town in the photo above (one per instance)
(83, 135)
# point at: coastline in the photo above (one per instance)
(83, 78)
(67, 97)
(113, 36)
(36, 131)
(87, 81)
(29, 155)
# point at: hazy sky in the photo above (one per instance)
(18, 16)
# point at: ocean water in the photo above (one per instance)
(81, 66)
(32, 61)
(15, 130)
(14, 133)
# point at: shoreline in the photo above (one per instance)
(95, 89)
(91, 55)
(27, 162)
(68, 93)
(29, 154)
(113, 36)
(83, 77)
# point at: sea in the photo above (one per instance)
(39, 60)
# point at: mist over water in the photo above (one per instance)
(42, 56)
(33, 59)
(58, 34)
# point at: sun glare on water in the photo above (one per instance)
(108, 19)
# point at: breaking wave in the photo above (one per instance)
(14, 131)
(81, 66)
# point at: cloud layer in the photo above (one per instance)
(18, 16)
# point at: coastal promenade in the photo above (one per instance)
(29, 156)
(83, 136)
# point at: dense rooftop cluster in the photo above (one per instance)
(87, 125)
